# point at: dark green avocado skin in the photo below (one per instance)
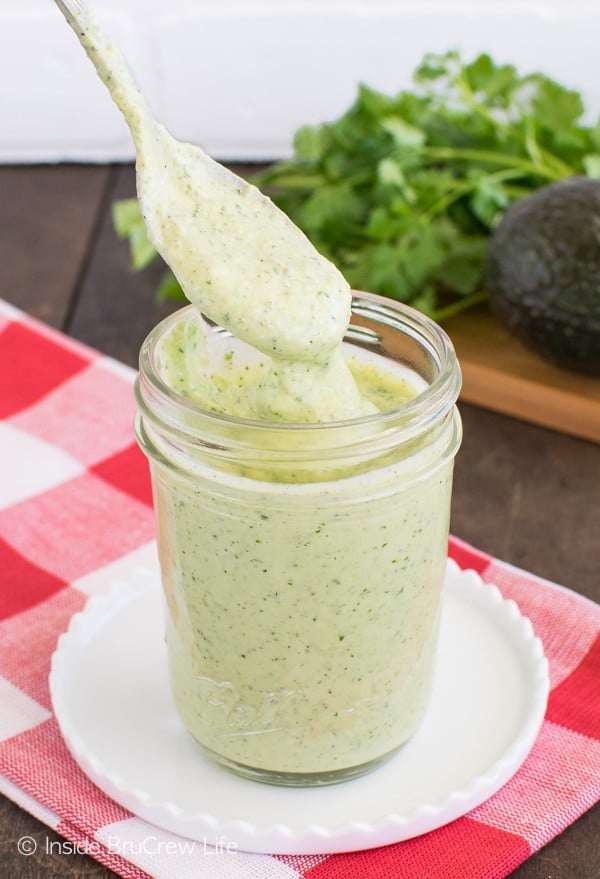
(542, 272)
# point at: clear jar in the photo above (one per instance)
(303, 564)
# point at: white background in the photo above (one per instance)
(240, 77)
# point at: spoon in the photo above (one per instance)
(238, 258)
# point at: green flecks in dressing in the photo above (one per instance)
(223, 374)
(289, 650)
(239, 259)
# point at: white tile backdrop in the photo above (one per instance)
(240, 77)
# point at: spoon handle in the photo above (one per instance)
(110, 65)
(73, 10)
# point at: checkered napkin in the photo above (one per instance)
(75, 514)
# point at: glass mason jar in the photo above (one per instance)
(303, 564)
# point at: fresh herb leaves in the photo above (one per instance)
(402, 192)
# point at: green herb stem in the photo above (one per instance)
(442, 314)
(491, 158)
(293, 180)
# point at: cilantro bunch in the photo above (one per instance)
(402, 192)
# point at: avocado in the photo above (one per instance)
(542, 272)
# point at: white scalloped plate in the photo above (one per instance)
(110, 692)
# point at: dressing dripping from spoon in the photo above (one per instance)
(238, 258)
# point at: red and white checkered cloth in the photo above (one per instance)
(75, 513)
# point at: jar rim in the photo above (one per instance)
(414, 416)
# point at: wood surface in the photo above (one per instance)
(501, 373)
(522, 492)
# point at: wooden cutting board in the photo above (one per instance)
(501, 374)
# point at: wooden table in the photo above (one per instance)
(524, 493)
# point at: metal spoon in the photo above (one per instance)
(238, 258)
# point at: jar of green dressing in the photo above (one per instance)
(303, 564)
